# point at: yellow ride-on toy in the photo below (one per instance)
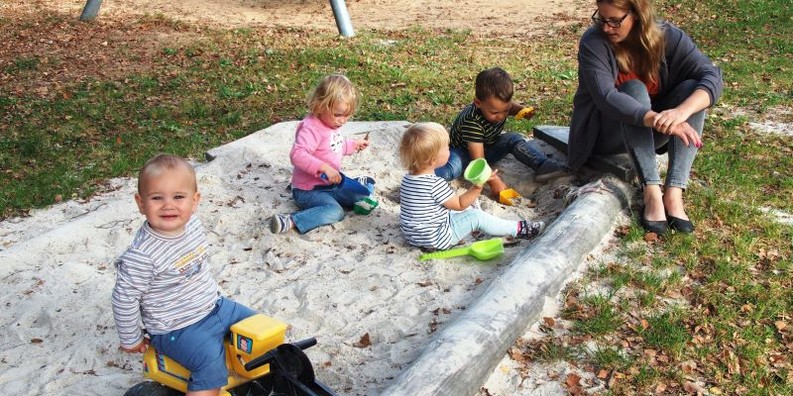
(259, 363)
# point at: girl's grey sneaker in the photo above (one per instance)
(549, 170)
(365, 180)
(281, 223)
(530, 229)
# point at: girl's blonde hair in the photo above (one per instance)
(420, 143)
(332, 90)
(643, 50)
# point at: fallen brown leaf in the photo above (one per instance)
(780, 325)
(650, 237)
(363, 342)
(573, 380)
(691, 387)
(517, 355)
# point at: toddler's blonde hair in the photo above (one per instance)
(163, 162)
(330, 91)
(420, 143)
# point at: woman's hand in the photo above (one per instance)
(666, 120)
(673, 122)
(686, 133)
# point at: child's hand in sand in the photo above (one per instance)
(496, 184)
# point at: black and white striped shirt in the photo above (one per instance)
(423, 219)
(471, 126)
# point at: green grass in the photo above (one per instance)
(721, 298)
(610, 358)
(599, 316)
(666, 332)
(186, 97)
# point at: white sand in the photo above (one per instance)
(335, 283)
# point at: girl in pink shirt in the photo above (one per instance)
(320, 190)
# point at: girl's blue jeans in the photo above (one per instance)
(642, 143)
(324, 205)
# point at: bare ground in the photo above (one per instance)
(504, 17)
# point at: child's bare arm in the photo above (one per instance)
(496, 184)
(460, 202)
(476, 150)
(515, 108)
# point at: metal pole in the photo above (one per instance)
(90, 10)
(342, 18)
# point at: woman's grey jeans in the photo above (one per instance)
(642, 143)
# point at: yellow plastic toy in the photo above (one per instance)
(258, 360)
(525, 112)
(505, 197)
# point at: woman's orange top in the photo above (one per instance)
(652, 86)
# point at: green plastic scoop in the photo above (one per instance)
(481, 250)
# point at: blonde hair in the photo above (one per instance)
(163, 162)
(643, 50)
(420, 143)
(330, 91)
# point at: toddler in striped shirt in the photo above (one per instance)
(431, 215)
(163, 280)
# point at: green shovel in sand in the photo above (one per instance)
(480, 250)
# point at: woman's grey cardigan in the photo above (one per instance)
(597, 95)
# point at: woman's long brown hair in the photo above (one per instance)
(643, 49)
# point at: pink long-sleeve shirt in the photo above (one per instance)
(316, 144)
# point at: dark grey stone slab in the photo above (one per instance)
(557, 136)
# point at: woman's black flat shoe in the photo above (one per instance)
(680, 225)
(659, 227)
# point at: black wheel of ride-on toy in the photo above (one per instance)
(258, 387)
(292, 373)
(282, 386)
(151, 388)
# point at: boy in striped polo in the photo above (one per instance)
(431, 216)
(163, 280)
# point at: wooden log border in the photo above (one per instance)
(459, 359)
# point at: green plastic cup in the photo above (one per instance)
(477, 171)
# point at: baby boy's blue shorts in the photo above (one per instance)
(200, 348)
